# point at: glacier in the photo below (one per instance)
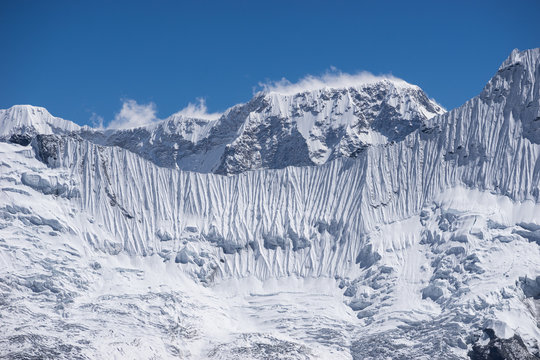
(356, 223)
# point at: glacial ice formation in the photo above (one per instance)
(347, 223)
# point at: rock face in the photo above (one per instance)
(422, 223)
(317, 126)
(501, 349)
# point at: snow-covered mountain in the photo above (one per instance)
(316, 125)
(276, 130)
(25, 121)
(361, 222)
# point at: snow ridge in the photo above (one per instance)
(27, 119)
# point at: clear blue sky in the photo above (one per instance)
(77, 58)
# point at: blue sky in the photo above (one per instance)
(84, 60)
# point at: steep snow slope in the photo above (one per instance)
(479, 144)
(430, 238)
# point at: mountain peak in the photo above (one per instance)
(528, 57)
(31, 120)
(306, 124)
(28, 109)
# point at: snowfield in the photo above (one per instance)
(356, 223)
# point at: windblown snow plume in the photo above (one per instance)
(332, 79)
(339, 223)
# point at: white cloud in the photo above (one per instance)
(330, 79)
(96, 121)
(198, 110)
(133, 115)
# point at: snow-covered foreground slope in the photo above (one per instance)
(407, 250)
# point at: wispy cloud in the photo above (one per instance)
(133, 115)
(198, 110)
(332, 78)
(96, 121)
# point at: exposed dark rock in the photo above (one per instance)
(47, 147)
(367, 257)
(21, 139)
(501, 349)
